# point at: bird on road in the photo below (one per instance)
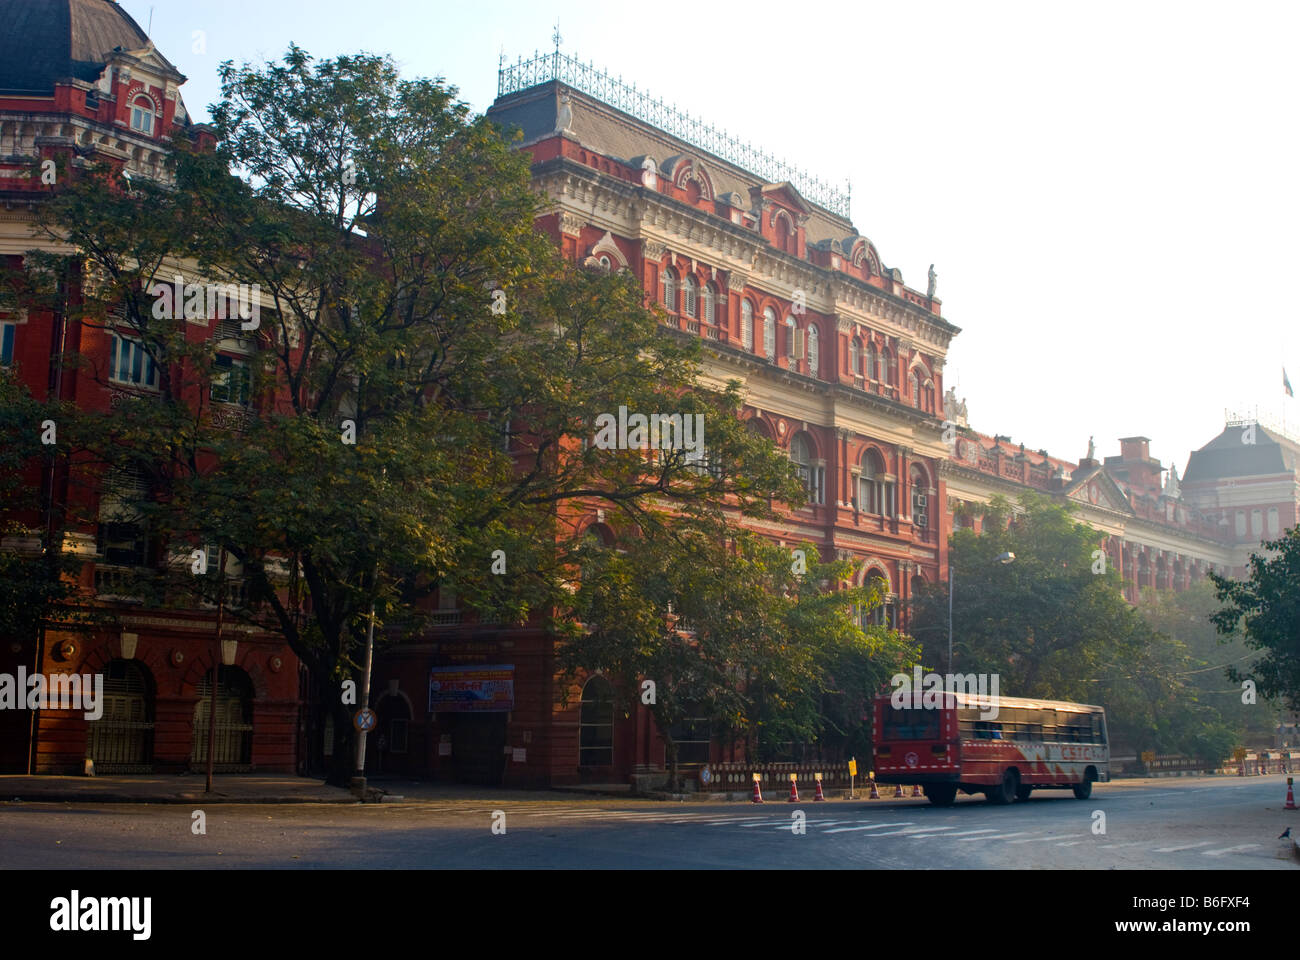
(1285, 833)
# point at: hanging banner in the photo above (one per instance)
(474, 689)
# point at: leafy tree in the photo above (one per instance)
(1054, 624)
(761, 646)
(1265, 608)
(423, 375)
(1185, 616)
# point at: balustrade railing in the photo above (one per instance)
(557, 66)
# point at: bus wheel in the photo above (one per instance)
(941, 794)
(1004, 794)
(1022, 793)
(1082, 791)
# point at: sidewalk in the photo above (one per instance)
(269, 788)
(184, 788)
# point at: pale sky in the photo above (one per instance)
(1107, 190)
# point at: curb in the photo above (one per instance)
(179, 799)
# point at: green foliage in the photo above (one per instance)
(764, 650)
(1265, 608)
(1054, 624)
(406, 292)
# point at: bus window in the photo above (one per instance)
(909, 724)
(1098, 734)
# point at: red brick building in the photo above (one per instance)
(81, 82)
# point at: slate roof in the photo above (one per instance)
(1227, 456)
(45, 41)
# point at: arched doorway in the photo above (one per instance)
(121, 740)
(596, 725)
(234, 731)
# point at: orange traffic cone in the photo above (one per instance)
(916, 789)
(1290, 797)
(794, 790)
(758, 794)
(898, 790)
(875, 792)
(819, 791)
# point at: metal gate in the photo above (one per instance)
(121, 740)
(234, 739)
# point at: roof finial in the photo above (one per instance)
(556, 35)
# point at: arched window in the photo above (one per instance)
(234, 730)
(878, 615)
(870, 367)
(791, 340)
(810, 473)
(769, 333)
(688, 296)
(871, 484)
(121, 739)
(710, 304)
(670, 291)
(887, 367)
(920, 497)
(855, 357)
(596, 724)
(814, 350)
(747, 324)
(915, 379)
(142, 115)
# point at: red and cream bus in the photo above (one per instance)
(1029, 745)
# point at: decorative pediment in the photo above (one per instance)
(782, 193)
(606, 246)
(1097, 488)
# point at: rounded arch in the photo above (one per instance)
(855, 356)
(875, 574)
(596, 723)
(599, 532)
(919, 475)
(747, 323)
(690, 296)
(120, 740)
(669, 298)
(769, 332)
(814, 349)
(709, 302)
(234, 728)
(760, 425)
(784, 231)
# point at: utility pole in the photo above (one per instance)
(216, 664)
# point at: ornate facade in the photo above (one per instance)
(80, 82)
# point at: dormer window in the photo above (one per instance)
(142, 115)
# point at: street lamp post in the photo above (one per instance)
(1003, 558)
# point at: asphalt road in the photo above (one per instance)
(1171, 824)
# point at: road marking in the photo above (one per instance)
(870, 826)
(1190, 846)
(1000, 836)
(963, 833)
(1243, 846)
(912, 832)
(1063, 836)
(1074, 844)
